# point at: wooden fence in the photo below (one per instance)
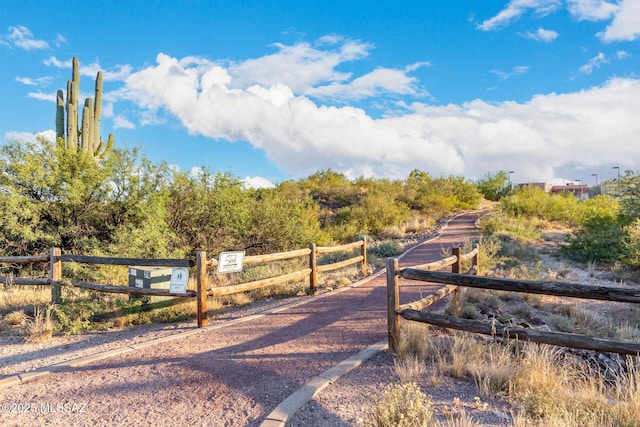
(311, 272)
(454, 279)
(395, 310)
(203, 289)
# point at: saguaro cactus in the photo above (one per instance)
(87, 136)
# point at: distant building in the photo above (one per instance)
(581, 191)
(541, 185)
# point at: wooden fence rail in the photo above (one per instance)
(55, 260)
(394, 310)
(311, 272)
(453, 280)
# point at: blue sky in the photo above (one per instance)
(276, 90)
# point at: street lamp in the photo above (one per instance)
(510, 183)
(596, 175)
(618, 180)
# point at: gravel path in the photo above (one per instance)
(224, 376)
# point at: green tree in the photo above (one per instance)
(439, 196)
(629, 194)
(62, 194)
(208, 212)
(283, 218)
(52, 196)
(494, 186)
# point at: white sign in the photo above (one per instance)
(179, 279)
(230, 262)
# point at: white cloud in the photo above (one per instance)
(119, 73)
(121, 122)
(301, 136)
(515, 9)
(594, 62)
(107, 110)
(379, 81)
(55, 62)
(51, 97)
(625, 13)
(40, 81)
(59, 40)
(21, 37)
(622, 54)
(626, 23)
(592, 10)
(49, 135)
(257, 182)
(300, 67)
(518, 70)
(542, 35)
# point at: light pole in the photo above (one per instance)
(618, 180)
(510, 183)
(596, 175)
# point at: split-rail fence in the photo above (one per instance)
(454, 280)
(55, 279)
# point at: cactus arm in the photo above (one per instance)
(108, 148)
(85, 135)
(97, 111)
(72, 127)
(60, 115)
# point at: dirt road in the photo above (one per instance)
(229, 376)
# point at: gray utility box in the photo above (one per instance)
(150, 277)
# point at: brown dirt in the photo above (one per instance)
(231, 376)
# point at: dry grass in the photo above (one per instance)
(40, 328)
(410, 369)
(544, 386)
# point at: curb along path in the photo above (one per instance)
(248, 371)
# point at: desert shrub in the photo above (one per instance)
(385, 249)
(401, 406)
(527, 201)
(632, 244)
(599, 239)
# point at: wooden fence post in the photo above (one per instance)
(393, 304)
(363, 252)
(55, 274)
(201, 283)
(476, 258)
(455, 268)
(313, 265)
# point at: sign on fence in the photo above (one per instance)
(179, 279)
(230, 262)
